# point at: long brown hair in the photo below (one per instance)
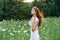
(39, 14)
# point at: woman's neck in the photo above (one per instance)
(34, 15)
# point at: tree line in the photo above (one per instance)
(14, 9)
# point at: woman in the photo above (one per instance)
(35, 22)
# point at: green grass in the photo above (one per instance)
(19, 30)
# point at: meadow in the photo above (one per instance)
(19, 30)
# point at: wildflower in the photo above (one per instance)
(11, 34)
(3, 29)
(25, 31)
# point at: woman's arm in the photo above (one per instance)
(34, 25)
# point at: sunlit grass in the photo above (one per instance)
(19, 30)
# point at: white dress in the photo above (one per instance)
(34, 35)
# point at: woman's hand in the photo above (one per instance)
(33, 29)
